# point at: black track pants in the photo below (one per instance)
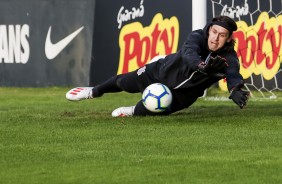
(136, 82)
(132, 82)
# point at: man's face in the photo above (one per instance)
(218, 36)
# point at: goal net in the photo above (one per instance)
(258, 42)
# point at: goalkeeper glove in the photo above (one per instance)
(239, 96)
(213, 67)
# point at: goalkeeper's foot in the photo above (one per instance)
(79, 93)
(123, 111)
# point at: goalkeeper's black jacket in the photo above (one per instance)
(179, 70)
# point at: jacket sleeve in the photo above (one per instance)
(191, 49)
(233, 76)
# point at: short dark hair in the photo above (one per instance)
(225, 22)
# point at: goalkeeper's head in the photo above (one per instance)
(220, 33)
(226, 22)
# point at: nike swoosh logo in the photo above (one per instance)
(53, 49)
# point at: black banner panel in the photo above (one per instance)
(129, 33)
(45, 42)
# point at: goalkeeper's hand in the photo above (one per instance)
(239, 96)
(213, 66)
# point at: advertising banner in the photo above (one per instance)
(258, 40)
(129, 33)
(45, 42)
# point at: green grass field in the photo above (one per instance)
(47, 139)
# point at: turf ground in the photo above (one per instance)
(47, 139)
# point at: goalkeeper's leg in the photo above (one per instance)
(130, 82)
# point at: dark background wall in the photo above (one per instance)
(94, 53)
(90, 57)
(28, 22)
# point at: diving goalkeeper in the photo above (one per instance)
(206, 56)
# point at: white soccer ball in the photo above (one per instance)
(157, 97)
